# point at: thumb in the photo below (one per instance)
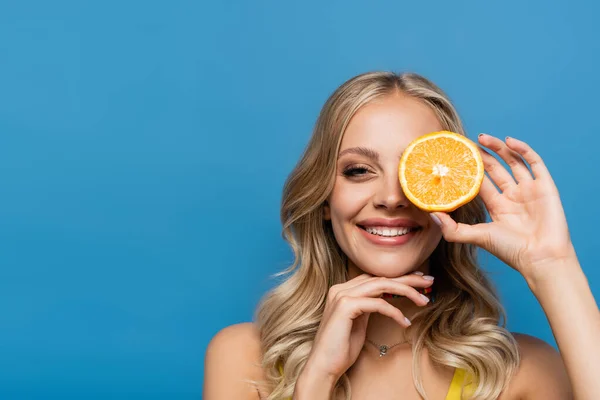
(459, 232)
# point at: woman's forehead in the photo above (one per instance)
(390, 124)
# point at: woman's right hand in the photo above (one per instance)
(342, 331)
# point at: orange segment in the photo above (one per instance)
(441, 171)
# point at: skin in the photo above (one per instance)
(522, 214)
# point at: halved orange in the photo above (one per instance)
(441, 171)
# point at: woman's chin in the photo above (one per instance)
(386, 271)
(391, 273)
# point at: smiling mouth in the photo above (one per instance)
(389, 231)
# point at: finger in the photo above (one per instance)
(498, 174)
(354, 307)
(356, 281)
(452, 231)
(510, 157)
(379, 286)
(417, 280)
(488, 192)
(335, 289)
(534, 160)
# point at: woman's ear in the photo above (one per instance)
(326, 211)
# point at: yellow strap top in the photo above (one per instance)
(456, 385)
(460, 376)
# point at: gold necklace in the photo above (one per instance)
(383, 348)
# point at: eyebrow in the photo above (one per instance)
(361, 151)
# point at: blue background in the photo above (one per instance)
(144, 145)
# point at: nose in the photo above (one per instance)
(390, 195)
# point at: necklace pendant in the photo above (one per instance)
(383, 350)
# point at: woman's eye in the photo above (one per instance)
(355, 171)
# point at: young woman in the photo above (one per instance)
(332, 330)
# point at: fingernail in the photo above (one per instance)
(407, 321)
(428, 277)
(508, 137)
(435, 219)
(425, 298)
(418, 273)
(481, 134)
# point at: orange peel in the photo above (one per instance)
(441, 171)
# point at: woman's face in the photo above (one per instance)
(380, 231)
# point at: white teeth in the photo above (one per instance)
(389, 232)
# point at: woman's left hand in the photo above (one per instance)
(528, 230)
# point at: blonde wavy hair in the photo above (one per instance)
(463, 328)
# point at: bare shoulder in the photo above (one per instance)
(237, 338)
(541, 374)
(232, 360)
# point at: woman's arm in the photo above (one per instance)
(565, 296)
(529, 232)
